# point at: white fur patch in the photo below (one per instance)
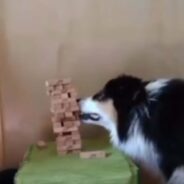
(154, 87)
(177, 177)
(139, 148)
(105, 110)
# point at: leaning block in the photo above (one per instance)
(93, 154)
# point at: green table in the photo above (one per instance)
(46, 167)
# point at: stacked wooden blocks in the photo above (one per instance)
(65, 115)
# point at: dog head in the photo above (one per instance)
(110, 106)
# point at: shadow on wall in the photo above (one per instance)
(157, 62)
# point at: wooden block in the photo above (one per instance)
(66, 81)
(67, 131)
(69, 116)
(57, 130)
(77, 142)
(64, 140)
(56, 100)
(53, 82)
(56, 125)
(64, 96)
(93, 154)
(68, 124)
(56, 93)
(77, 123)
(75, 108)
(50, 83)
(59, 88)
(73, 94)
(70, 147)
(57, 117)
(57, 110)
(61, 152)
(77, 146)
(75, 133)
(41, 144)
(77, 151)
(77, 115)
(74, 136)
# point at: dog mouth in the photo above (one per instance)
(90, 116)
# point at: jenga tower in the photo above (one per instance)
(65, 115)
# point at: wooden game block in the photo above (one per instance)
(56, 93)
(59, 88)
(57, 129)
(41, 144)
(77, 151)
(64, 96)
(69, 116)
(69, 147)
(75, 108)
(76, 123)
(54, 99)
(64, 139)
(53, 82)
(64, 147)
(67, 131)
(57, 117)
(61, 150)
(69, 137)
(63, 153)
(75, 133)
(77, 146)
(66, 106)
(57, 110)
(76, 115)
(73, 94)
(68, 124)
(56, 103)
(77, 142)
(49, 91)
(66, 81)
(93, 154)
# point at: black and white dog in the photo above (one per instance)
(145, 120)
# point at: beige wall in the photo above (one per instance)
(89, 40)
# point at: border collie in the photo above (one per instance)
(145, 120)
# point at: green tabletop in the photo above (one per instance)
(46, 167)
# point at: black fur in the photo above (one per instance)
(164, 123)
(7, 176)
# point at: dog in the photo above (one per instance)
(145, 120)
